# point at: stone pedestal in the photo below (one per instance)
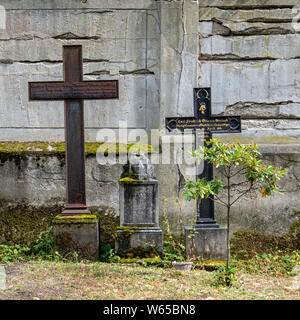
(77, 233)
(132, 237)
(139, 217)
(206, 243)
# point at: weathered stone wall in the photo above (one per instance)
(245, 50)
(115, 36)
(249, 55)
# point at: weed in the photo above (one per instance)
(13, 253)
(107, 254)
(173, 251)
(224, 276)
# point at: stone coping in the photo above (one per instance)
(84, 218)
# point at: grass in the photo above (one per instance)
(68, 280)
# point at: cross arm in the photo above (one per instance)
(59, 90)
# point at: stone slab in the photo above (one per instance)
(59, 25)
(248, 3)
(265, 82)
(252, 47)
(244, 15)
(71, 4)
(206, 243)
(138, 203)
(143, 237)
(79, 234)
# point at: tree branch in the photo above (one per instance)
(239, 171)
(241, 195)
(218, 199)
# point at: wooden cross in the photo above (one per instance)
(73, 90)
(204, 120)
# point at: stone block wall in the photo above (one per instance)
(245, 50)
(249, 55)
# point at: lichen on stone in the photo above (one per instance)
(84, 218)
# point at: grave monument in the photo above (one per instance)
(206, 239)
(75, 229)
(139, 210)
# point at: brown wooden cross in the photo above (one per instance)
(73, 90)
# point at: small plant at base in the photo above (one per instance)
(107, 254)
(44, 246)
(13, 253)
(224, 276)
(232, 160)
(173, 251)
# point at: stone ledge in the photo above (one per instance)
(78, 219)
(71, 4)
(249, 3)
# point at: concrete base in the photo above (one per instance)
(206, 243)
(77, 233)
(132, 237)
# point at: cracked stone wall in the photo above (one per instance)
(120, 41)
(249, 55)
(247, 51)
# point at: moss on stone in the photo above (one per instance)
(138, 252)
(209, 265)
(247, 243)
(17, 151)
(84, 218)
(128, 231)
(145, 261)
(129, 177)
(21, 223)
(129, 180)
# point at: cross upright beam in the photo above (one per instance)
(204, 120)
(73, 90)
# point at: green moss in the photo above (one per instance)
(12, 150)
(84, 218)
(21, 223)
(209, 265)
(248, 243)
(144, 261)
(138, 252)
(129, 180)
(128, 231)
(129, 177)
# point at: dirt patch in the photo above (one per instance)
(62, 281)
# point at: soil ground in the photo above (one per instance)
(44, 280)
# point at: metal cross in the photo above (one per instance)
(204, 120)
(73, 90)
